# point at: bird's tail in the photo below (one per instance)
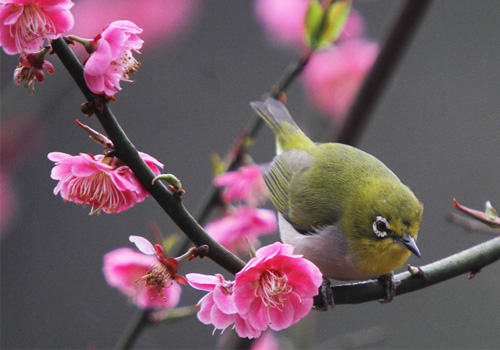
(288, 134)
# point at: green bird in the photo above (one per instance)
(339, 207)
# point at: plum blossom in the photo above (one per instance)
(217, 307)
(126, 268)
(104, 183)
(284, 21)
(276, 288)
(31, 69)
(26, 24)
(245, 184)
(333, 76)
(242, 227)
(112, 61)
(159, 19)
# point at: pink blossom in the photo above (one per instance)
(241, 227)
(284, 21)
(30, 70)
(217, 307)
(246, 184)
(276, 288)
(160, 19)
(126, 269)
(104, 183)
(166, 269)
(333, 77)
(26, 24)
(112, 60)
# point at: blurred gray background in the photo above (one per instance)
(437, 126)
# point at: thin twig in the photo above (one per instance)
(138, 323)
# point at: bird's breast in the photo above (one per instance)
(327, 248)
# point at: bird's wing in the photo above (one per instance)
(280, 174)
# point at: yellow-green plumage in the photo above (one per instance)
(331, 195)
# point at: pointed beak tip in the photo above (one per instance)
(409, 243)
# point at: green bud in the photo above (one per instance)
(218, 166)
(490, 211)
(324, 27)
(313, 20)
(336, 17)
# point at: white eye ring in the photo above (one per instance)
(380, 233)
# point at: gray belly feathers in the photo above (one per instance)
(327, 248)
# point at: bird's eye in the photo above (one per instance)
(380, 227)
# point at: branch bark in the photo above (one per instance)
(470, 260)
(398, 38)
(127, 152)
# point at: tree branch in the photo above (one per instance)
(399, 36)
(470, 260)
(127, 152)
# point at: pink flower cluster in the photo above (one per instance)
(246, 184)
(148, 278)
(333, 76)
(112, 60)
(284, 21)
(275, 289)
(104, 183)
(26, 24)
(240, 227)
(161, 20)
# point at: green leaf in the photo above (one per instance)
(336, 17)
(313, 19)
(489, 210)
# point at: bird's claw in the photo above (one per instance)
(324, 297)
(390, 285)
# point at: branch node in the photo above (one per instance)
(473, 274)
(416, 271)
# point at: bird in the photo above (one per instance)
(338, 206)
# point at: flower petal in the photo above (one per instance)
(143, 245)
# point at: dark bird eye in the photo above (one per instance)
(380, 227)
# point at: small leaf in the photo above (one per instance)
(313, 19)
(218, 166)
(489, 210)
(170, 241)
(488, 217)
(336, 17)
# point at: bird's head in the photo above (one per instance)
(381, 223)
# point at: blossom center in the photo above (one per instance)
(129, 63)
(273, 289)
(31, 25)
(97, 190)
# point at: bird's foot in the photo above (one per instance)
(324, 297)
(390, 285)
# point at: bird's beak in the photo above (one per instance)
(408, 242)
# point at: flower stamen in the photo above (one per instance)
(273, 289)
(31, 25)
